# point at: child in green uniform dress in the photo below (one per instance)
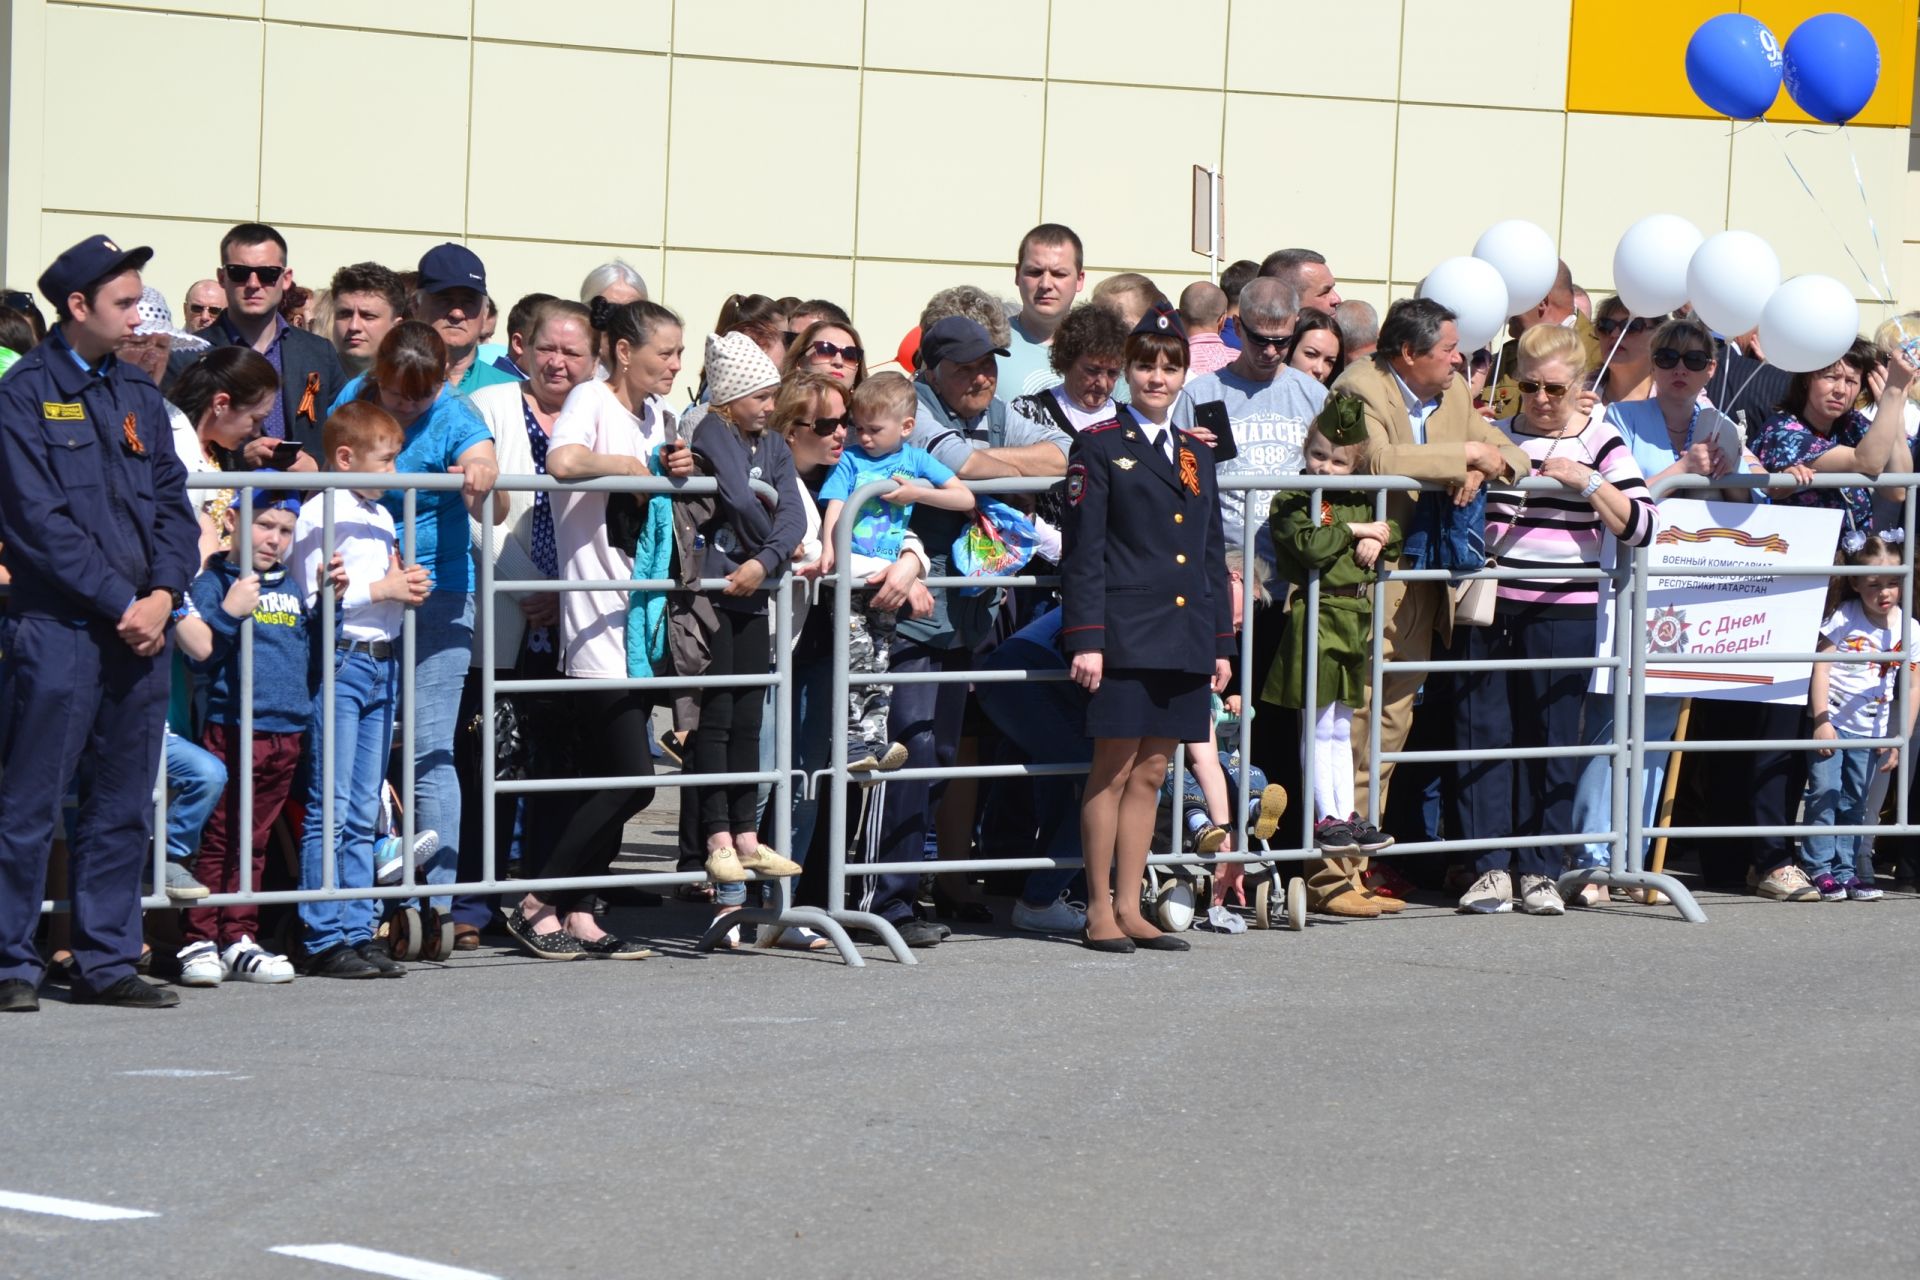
(1331, 532)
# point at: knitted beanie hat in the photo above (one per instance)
(736, 367)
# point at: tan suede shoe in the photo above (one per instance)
(1349, 902)
(1387, 905)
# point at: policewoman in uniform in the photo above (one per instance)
(101, 542)
(1148, 618)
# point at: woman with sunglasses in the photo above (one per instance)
(1629, 370)
(1539, 618)
(828, 347)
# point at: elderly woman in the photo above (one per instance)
(1542, 617)
(442, 434)
(829, 347)
(1625, 345)
(1086, 354)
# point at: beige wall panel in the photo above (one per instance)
(1131, 203)
(1374, 291)
(143, 52)
(999, 37)
(224, 8)
(1909, 273)
(335, 168)
(1274, 202)
(1139, 42)
(904, 216)
(425, 17)
(182, 251)
(736, 162)
(519, 267)
(822, 31)
(1498, 53)
(618, 201)
(1676, 166)
(1768, 200)
(1442, 205)
(888, 297)
(317, 252)
(697, 283)
(593, 24)
(1284, 48)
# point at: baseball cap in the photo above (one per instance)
(958, 339)
(452, 266)
(94, 258)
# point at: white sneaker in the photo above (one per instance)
(386, 855)
(1058, 916)
(248, 961)
(200, 965)
(1540, 897)
(1491, 894)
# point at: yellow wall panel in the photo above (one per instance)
(375, 164)
(897, 217)
(519, 267)
(696, 284)
(147, 53)
(999, 38)
(1342, 208)
(592, 24)
(1496, 53)
(1263, 57)
(1131, 202)
(423, 17)
(222, 8)
(518, 147)
(821, 31)
(1440, 208)
(1622, 168)
(315, 253)
(1139, 42)
(1768, 200)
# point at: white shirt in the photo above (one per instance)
(363, 535)
(593, 624)
(1418, 410)
(1083, 418)
(1861, 695)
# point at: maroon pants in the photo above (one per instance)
(275, 756)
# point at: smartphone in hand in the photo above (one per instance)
(1213, 416)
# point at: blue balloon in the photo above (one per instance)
(1733, 64)
(1833, 64)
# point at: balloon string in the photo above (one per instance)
(1743, 386)
(1872, 288)
(1867, 205)
(1600, 379)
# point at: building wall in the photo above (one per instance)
(872, 151)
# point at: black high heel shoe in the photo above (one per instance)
(1161, 942)
(1114, 946)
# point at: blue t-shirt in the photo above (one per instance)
(434, 441)
(879, 527)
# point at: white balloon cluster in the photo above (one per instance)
(1732, 279)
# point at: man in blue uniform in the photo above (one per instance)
(101, 542)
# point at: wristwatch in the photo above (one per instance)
(1594, 481)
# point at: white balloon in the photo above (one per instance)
(1525, 257)
(1476, 295)
(1808, 323)
(1650, 265)
(1730, 279)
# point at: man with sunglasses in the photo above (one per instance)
(255, 276)
(206, 300)
(1556, 308)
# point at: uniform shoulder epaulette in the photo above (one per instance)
(1098, 427)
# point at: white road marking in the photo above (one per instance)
(175, 1073)
(68, 1208)
(377, 1263)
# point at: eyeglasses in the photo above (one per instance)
(237, 274)
(827, 351)
(1609, 325)
(18, 299)
(827, 426)
(1667, 358)
(1251, 339)
(1553, 389)
(204, 309)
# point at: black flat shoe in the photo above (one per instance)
(17, 995)
(380, 958)
(612, 947)
(1115, 946)
(128, 993)
(558, 945)
(1162, 942)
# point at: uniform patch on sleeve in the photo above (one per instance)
(1076, 483)
(62, 412)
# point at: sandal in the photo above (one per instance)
(612, 947)
(558, 945)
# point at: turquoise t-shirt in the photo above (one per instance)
(879, 527)
(434, 441)
(1027, 367)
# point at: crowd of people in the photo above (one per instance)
(129, 593)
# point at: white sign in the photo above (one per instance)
(1691, 616)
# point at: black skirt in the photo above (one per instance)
(1140, 702)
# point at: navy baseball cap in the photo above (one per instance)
(452, 266)
(93, 259)
(958, 339)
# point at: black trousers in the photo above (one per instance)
(728, 740)
(581, 830)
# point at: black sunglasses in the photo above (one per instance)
(827, 351)
(1249, 338)
(1608, 325)
(827, 426)
(237, 274)
(1667, 358)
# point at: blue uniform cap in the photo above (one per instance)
(958, 339)
(452, 266)
(93, 259)
(1162, 319)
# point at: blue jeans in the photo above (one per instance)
(196, 779)
(443, 650)
(363, 703)
(1593, 797)
(1194, 806)
(1837, 792)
